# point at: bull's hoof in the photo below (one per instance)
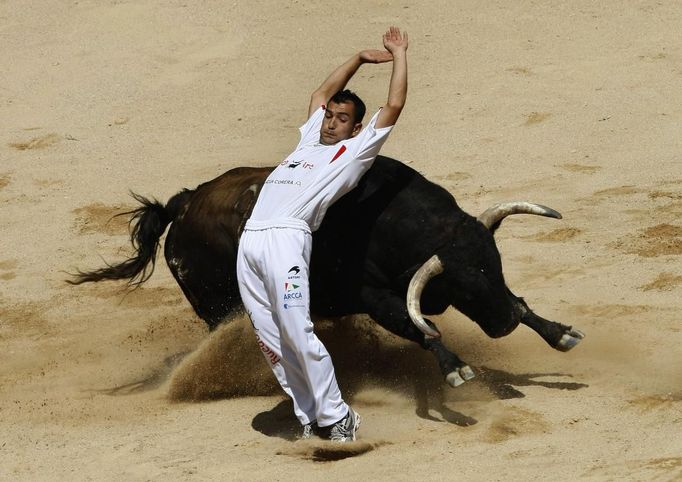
(457, 377)
(570, 339)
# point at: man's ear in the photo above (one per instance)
(356, 129)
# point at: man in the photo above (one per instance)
(274, 251)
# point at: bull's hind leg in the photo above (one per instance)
(390, 311)
(558, 336)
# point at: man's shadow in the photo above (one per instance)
(429, 395)
(362, 357)
(366, 356)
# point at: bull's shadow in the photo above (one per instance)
(502, 384)
(364, 357)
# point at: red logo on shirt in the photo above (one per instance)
(341, 150)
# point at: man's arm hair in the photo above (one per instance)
(338, 79)
(397, 90)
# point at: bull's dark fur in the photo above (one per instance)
(370, 244)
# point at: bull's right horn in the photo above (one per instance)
(498, 212)
(428, 270)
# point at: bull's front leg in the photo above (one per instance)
(558, 336)
(388, 308)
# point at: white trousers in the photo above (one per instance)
(272, 269)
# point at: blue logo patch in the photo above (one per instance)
(293, 296)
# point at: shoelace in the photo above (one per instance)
(341, 431)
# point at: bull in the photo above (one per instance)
(397, 247)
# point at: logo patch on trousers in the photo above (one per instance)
(294, 269)
(267, 351)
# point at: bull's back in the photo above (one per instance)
(392, 222)
(201, 245)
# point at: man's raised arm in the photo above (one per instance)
(338, 79)
(396, 44)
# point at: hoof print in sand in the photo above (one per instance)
(536, 117)
(556, 235)
(37, 142)
(580, 168)
(515, 422)
(99, 218)
(660, 240)
(6, 270)
(663, 282)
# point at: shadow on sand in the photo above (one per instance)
(363, 357)
(430, 394)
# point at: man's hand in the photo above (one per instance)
(394, 41)
(375, 56)
(396, 44)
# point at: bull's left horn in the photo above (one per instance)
(428, 270)
(497, 213)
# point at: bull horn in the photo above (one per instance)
(428, 270)
(498, 212)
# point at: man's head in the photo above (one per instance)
(342, 117)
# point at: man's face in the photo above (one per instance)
(339, 123)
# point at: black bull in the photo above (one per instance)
(395, 236)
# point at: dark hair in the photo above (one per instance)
(343, 96)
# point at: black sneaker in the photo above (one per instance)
(344, 430)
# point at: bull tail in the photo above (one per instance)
(147, 224)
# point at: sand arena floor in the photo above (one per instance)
(576, 105)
